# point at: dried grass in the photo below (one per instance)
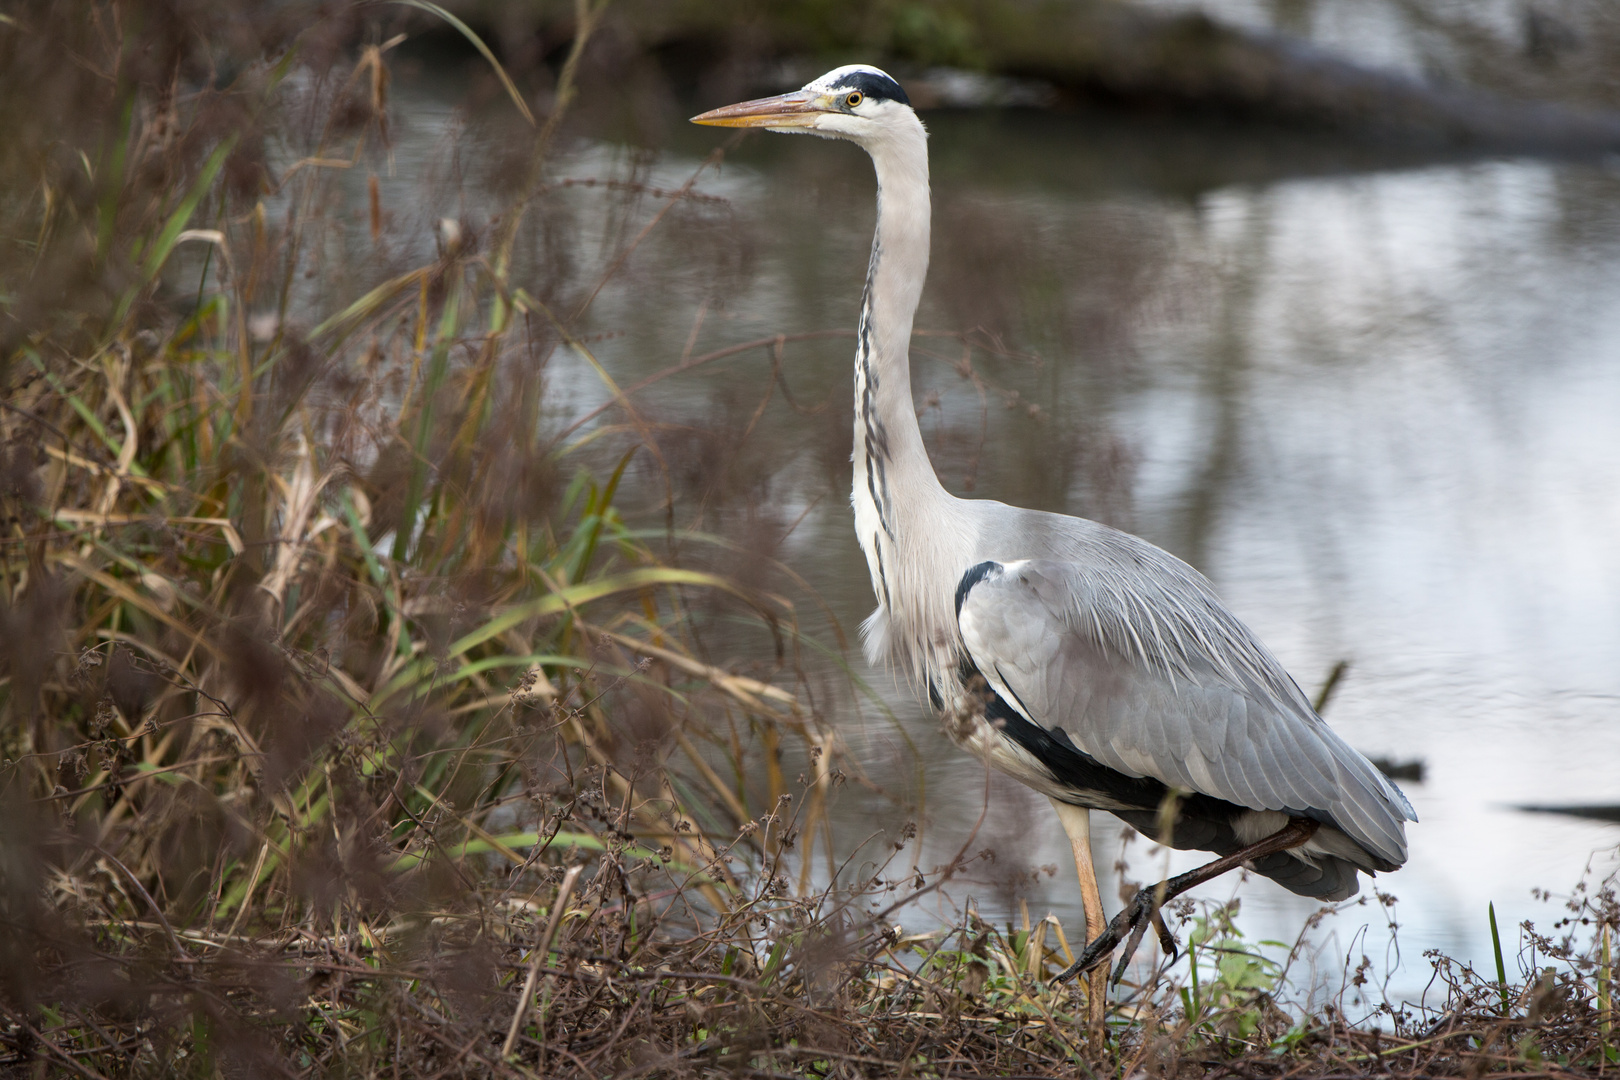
(349, 729)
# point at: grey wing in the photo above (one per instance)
(1140, 665)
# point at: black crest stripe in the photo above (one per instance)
(875, 86)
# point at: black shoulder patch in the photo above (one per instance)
(878, 87)
(970, 579)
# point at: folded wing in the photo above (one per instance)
(1158, 679)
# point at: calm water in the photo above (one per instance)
(1377, 402)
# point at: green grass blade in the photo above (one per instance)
(1605, 983)
(519, 841)
(169, 235)
(1501, 968)
(584, 593)
(483, 50)
(369, 303)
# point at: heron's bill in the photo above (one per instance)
(796, 110)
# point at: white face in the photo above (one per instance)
(854, 110)
(857, 102)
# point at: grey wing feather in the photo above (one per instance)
(1145, 670)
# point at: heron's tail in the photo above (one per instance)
(1320, 876)
(1326, 877)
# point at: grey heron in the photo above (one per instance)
(1096, 668)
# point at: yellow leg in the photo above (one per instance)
(1077, 823)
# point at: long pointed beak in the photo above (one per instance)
(796, 110)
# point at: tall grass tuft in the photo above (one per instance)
(315, 643)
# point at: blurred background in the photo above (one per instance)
(1322, 296)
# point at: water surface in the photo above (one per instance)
(1376, 401)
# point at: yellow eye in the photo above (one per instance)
(854, 99)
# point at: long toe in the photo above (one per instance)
(1099, 948)
(1096, 952)
(1137, 930)
(1167, 940)
(1128, 926)
(1138, 915)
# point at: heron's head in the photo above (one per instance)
(858, 102)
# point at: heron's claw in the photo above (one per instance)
(1133, 920)
(1167, 940)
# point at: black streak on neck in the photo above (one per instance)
(874, 438)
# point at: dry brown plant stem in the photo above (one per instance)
(527, 996)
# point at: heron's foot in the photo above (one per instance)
(1128, 926)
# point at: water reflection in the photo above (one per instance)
(1377, 408)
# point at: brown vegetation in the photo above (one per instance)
(347, 726)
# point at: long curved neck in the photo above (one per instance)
(894, 483)
(894, 281)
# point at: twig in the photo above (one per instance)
(534, 967)
(174, 940)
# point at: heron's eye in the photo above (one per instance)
(854, 99)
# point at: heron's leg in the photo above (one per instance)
(1144, 907)
(1077, 823)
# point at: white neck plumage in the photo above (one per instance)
(894, 484)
